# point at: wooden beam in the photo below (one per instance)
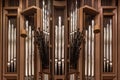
(30, 10)
(118, 39)
(1, 39)
(90, 10)
(59, 3)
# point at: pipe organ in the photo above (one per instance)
(89, 52)
(108, 44)
(46, 19)
(73, 20)
(59, 48)
(29, 51)
(59, 41)
(11, 61)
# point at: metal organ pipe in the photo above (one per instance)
(108, 45)
(11, 63)
(89, 52)
(14, 49)
(29, 39)
(56, 48)
(86, 53)
(105, 42)
(9, 42)
(62, 49)
(59, 48)
(29, 52)
(26, 52)
(62, 42)
(59, 56)
(93, 48)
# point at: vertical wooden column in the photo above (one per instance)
(0, 39)
(22, 47)
(81, 70)
(97, 50)
(37, 55)
(115, 43)
(118, 39)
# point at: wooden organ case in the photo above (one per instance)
(52, 50)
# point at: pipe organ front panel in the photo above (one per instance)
(29, 50)
(89, 52)
(108, 62)
(11, 54)
(60, 42)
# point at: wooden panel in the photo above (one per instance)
(1, 40)
(118, 39)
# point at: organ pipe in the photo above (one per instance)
(89, 51)
(92, 47)
(110, 44)
(107, 45)
(86, 53)
(59, 48)
(9, 42)
(29, 52)
(11, 63)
